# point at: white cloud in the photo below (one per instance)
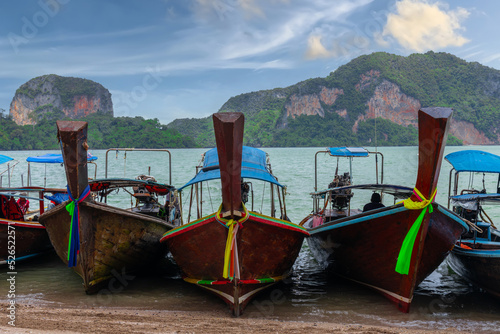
(333, 36)
(419, 25)
(288, 29)
(315, 49)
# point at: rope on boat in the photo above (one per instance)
(404, 257)
(74, 229)
(262, 202)
(472, 225)
(210, 197)
(489, 219)
(231, 262)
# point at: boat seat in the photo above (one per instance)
(9, 209)
(486, 230)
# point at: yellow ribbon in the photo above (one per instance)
(412, 205)
(229, 246)
(231, 240)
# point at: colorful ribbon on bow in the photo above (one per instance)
(404, 257)
(74, 227)
(231, 263)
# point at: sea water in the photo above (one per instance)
(443, 300)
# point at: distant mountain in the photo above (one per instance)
(377, 93)
(55, 97)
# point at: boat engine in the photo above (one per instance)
(340, 197)
(245, 189)
(147, 202)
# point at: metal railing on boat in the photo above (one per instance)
(142, 149)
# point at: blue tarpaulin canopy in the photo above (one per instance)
(57, 198)
(348, 152)
(474, 161)
(4, 159)
(253, 167)
(52, 158)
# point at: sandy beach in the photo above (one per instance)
(41, 319)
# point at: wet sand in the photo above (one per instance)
(42, 319)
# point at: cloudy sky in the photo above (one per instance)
(171, 59)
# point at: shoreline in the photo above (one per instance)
(42, 319)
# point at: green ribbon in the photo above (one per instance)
(404, 257)
(74, 229)
(70, 207)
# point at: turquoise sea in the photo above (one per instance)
(443, 300)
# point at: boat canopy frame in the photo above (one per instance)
(54, 158)
(350, 153)
(255, 165)
(143, 150)
(472, 161)
(8, 160)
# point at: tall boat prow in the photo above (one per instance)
(388, 248)
(228, 128)
(235, 252)
(433, 134)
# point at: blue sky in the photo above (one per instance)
(171, 59)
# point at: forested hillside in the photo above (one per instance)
(105, 131)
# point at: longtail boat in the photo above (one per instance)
(235, 252)
(21, 235)
(390, 249)
(99, 241)
(476, 256)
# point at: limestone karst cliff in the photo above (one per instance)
(341, 109)
(54, 96)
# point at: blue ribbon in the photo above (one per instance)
(74, 230)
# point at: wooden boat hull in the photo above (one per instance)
(481, 266)
(365, 248)
(267, 249)
(113, 241)
(31, 239)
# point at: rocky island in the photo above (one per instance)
(56, 96)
